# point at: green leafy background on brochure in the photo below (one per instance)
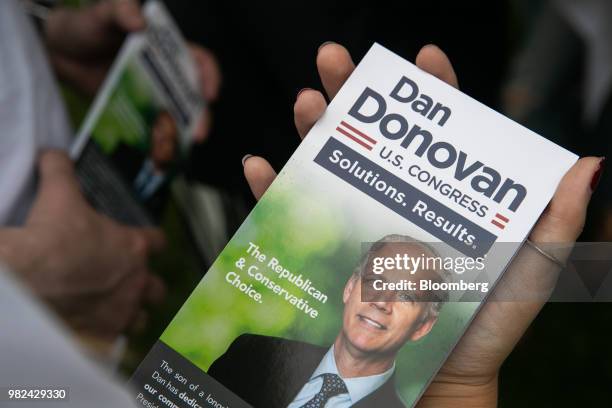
(308, 235)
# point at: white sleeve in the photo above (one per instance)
(36, 351)
(32, 113)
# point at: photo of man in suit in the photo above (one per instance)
(164, 147)
(358, 370)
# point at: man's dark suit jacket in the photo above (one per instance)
(268, 372)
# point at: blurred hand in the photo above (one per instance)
(469, 376)
(83, 42)
(210, 77)
(90, 269)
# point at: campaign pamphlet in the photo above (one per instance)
(141, 122)
(365, 261)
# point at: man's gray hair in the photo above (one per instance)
(433, 307)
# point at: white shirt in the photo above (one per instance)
(358, 387)
(32, 114)
(148, 180)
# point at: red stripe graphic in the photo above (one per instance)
(501, 217)
(347, 134)
(360, 133)
(497, 224)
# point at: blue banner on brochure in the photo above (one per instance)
(404, 199)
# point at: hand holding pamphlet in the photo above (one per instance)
(291, 313)
(142, 122)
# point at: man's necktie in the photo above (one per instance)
(332, 386)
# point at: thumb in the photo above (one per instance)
(563, 219)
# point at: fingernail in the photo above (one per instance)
(598, 173)
(302, 90)
(324, 44)
(245, 158)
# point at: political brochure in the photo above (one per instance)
(141, 122)
(367, 258)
